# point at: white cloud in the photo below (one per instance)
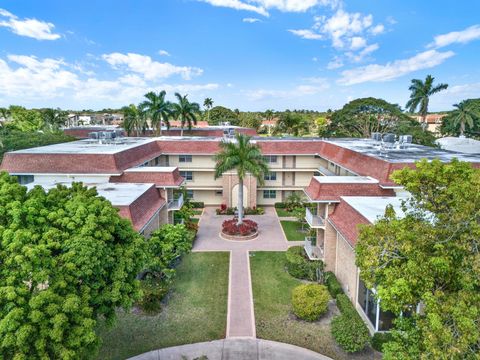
(32, 28)
(148, 68)
(250, 20)
(357, 42)
(262, 6)
(306, 34)
(377, 29)
(163, 53)
(335, 63)
(392, 70)
(461, 37)
(357, 57)
(30, 80)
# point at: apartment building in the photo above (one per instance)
(347, 180)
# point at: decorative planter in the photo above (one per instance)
(239, 237)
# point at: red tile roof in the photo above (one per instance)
(159, 178)
(332, 191)
(143, 208)
(346, 220)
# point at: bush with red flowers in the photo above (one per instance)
(248, 227)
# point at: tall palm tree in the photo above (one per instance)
(420, 93)
(131, 119)
(157, 109)
(244, 157)
(208, 104)
(464, 115)
(185, 111)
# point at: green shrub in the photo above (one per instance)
(254, 211)
(197, 204)
(381, 338)
(280, 205)
(299, 266)
(153, 292)
(350, 333)
(310, 301)
(348, 329)
(334, 287)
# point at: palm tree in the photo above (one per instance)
(157, 109)
(420, 93)
(185, 111)
(208, 104)
(244, 157)
(464, 115)
(131, 119)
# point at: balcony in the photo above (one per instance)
(314, 252)
(314, 221)
(175, 204)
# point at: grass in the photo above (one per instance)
(197, 212)
(272, 287)
(293, 230)
(195, 311)
(283, 213)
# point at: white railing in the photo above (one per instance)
(313, 220)
(314, 252)
(176, 204)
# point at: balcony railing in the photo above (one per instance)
(176, 204)
(314, 220)
(314, 252)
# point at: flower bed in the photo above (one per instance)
(224, 210)
(248, 227)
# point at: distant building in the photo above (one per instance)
(434, 121)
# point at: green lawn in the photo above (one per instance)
(293, 230)
(196, 311)
(283, 213)
(272, 287)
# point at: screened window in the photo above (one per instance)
(189, 194)
(185, 158)
(25, 179)
(270, 176)
(381, 320)
(269, 194)
(271, 159)
(188, 175)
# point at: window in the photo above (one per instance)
(269, 194)
(25, 179)
(189, 194)
(188, 175)
(270, 176)
(381, 320)
(185, 158)
(271, 159)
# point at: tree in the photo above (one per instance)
(465, 114)
(208, 104)
(220, 114)
(67, 259)
(157, 109)
(26, 120)
(185, 111)
(54, 118)
(362, 117)
(269, 114)
(451, 123)
(132, 119)
(291, 123)
(430, 257)
(244, 157)
(420, 92)
(250, 120)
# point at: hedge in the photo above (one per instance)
(334, 287)
(279, 205)
(348, 329)
(299, 266)
(310, 301)
(197, 204)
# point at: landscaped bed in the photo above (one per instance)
(194, 311)
(272, 289)
(284, 213)
(293, 230)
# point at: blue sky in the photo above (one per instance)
(246, 54)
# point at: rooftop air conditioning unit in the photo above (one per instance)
(376, 136)
(93, 135)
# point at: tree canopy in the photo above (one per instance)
(469, 114)
(431, 257)
(219, 114)
(420, 93)
(362, 117)
(293, 123)
(66, 258)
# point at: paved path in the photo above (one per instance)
(241, 317)
(233, 349)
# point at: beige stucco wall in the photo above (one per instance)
(198, 161)
(307, 162)
(330, 247)
(153, 225)
(204, 178)
(262, 201)
(207, 196)
(163, 215)
(345, 268)
(303, 178)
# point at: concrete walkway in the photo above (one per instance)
(233, 349)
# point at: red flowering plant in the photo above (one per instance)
(248, 227)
